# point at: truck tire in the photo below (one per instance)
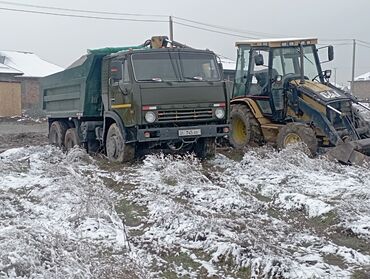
(297, 132)
(57, 133)
(205, 148)
(71, 139)
(245, 129)
(116, 148)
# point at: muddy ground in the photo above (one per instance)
(20, 132)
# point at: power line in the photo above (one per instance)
(234, 32)
(337, 44)
(363, 45)
(364, 42)
(335, 40)
(248, 32)
(78, 10)
(214, 31)
(82, 16)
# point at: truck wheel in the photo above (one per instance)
(71, 138)
(244, 127)
(57, 133)
(205, 148)
(295, 133)
(117, 149)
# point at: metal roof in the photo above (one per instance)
(27, 63)
(278, 42)
(4, 69)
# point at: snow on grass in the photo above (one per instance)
(270, 215)
(295, 201)
(230, 217)
(57, 218)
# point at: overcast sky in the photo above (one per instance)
(61, 40)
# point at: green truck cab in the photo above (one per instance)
(126, 101)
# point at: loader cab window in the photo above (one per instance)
(286, 61)
(311, 69)
(259, 74)
(242, 65)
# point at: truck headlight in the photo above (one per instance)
(220, 113)
(150, 117)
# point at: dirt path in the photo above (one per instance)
(22, 132)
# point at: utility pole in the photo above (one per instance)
(171, 28)
(353, 65)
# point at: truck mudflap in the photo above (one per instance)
(351, 153)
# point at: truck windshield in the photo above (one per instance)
(199, 66)
(159, 67)
(154, 67)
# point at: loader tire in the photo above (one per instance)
(245, 129)
(205, 148)
(116, 148)
(71, 139)
(57, 133)
(295, 133)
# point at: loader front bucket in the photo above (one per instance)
(351, 153)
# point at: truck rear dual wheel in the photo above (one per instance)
(294, 133)
(71, 138)
(245, 128)
(205, 148)
(57, 133)
(116, 148)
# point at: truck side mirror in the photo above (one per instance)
(220, 67)
(116, 71)
(330, 53)
(258, 60)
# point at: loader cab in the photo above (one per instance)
(266, 67)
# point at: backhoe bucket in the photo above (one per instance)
(351, 153)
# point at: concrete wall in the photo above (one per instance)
(361, 89)
(10, 99)
(31, 101)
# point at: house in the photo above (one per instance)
(361, 86)
(229, 67)
(20, 74)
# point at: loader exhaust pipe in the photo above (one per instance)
(301, 62)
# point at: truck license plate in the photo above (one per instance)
(190, 132)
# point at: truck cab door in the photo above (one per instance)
(120, 91)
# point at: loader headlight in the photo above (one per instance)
(150, 117)
(220, 113)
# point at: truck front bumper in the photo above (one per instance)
(185, 133)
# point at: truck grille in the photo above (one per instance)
(185, 115)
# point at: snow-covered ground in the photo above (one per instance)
(57, 217)
(264, 215)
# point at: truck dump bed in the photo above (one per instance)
(76, 91)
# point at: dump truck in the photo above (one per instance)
(281, 96)
(160, 95)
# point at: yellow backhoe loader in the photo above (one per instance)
(281, 96)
